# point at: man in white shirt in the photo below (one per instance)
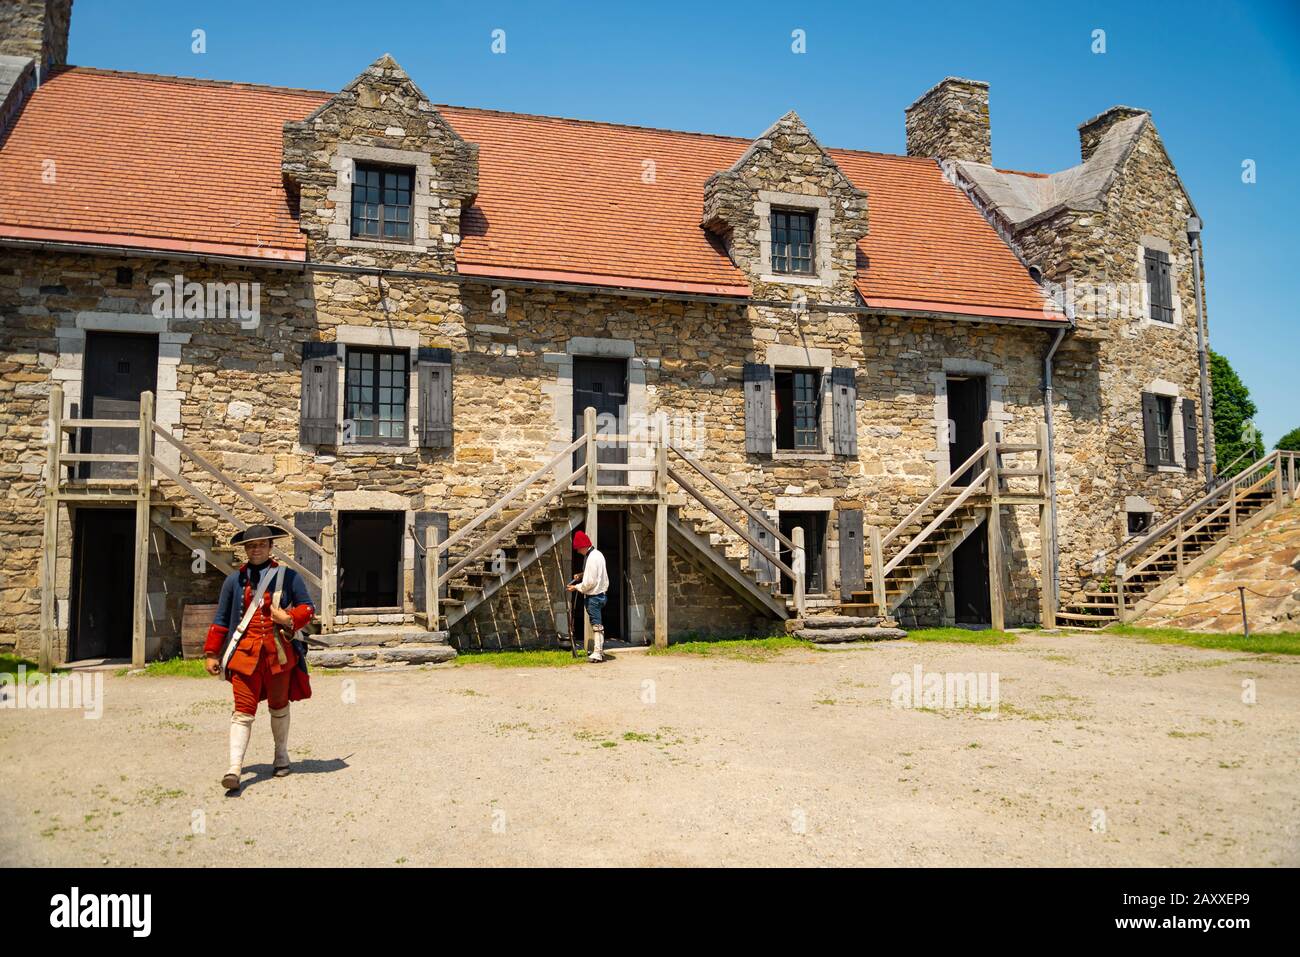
(594, 585)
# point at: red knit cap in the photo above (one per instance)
(580, 540)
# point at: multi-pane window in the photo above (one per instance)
(377, 384)
(798, 409)
(1165, 428)
(381, 203)
(792, 241)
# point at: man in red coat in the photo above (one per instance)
(250, 644)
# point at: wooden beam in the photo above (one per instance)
(661, 544)
(593, 515)
(50, 542)
(431, 577)
(799, 560)
(1046, 534)
(877, 571)
(997, 613)
(144, 475)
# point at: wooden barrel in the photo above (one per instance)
(194, 628)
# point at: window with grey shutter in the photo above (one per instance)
(424, 520)
(1150, 429)
(1191, 459)
(758, 408)
(844, 404)
(435, 398)
(760, 564)
(853, 559)
(311, 524)
(1159, 285)
(318, 411)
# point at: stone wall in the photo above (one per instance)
(951, 121)
(36, 29)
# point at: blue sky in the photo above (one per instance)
(1222, 82)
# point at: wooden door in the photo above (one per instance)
(602, 385)
(117, 367)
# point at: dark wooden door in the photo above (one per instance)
(967, 410)
(602, 385)
(970, 579)
(370, 559)
(117, 367)
(103, 561)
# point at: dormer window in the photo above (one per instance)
(792, 241)
(381, 203)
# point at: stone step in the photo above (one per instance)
(378, 657)
(836, 635)
(837, 621)
(379, 637)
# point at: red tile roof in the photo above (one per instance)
(171, 163)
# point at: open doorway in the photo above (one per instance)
(370, 560)
(611, 541)
(967, 410)
(970, 579)
(103, 562)
(814, 543)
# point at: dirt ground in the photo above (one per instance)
(1104, 750)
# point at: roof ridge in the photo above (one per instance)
(187, 80)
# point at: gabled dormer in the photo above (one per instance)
(379, 175)
(789, 217)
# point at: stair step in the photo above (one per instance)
(855, 633)
(378, 657)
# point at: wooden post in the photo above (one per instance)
(877, 572)
(798, 563)
(1120, 572)
(1232, 508)
(593, 512)
(50, 550)
(661, 542)
(329, 580)
(1178, 549)
(1277, 480)
(996, 612)
(1046, 532)
(431, 563)
(144, 474)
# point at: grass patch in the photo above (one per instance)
(963, 636)
(541, 658)
(173, 667)
(1285, 643)
(9, 664)
(740, 649)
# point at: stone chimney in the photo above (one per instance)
(951, 121)
(36, 30)
(1091, 131)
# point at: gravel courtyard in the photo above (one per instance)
(1103, 751)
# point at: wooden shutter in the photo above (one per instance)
(318, 412)
(311, 524)
(435, 398)
(422, 521)
(760, 564)
(1191, 460)
(1159, 285)
(1151, 427)
(845, 403)
(758, 408)
(853, 559)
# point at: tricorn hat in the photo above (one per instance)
(256, 533)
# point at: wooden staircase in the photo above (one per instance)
(1144, 571)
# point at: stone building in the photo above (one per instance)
(378, 316)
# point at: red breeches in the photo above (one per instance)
(261, 684)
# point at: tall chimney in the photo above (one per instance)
(36, 30)
(1091, 131)
(951, 121)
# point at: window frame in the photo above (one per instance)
(1144, 520)
(1165, 429)
(782, 257)
(382, 208)
(375, 419)
(816, 402)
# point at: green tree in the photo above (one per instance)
(1289, 442)
(1234, 412)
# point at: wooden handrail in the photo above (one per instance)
(231, 517)
(1204, 500)
(511, 495)
(726, 490)
(1221, 475)
(730, 523)
(939, 520)
(929, 499)
(71, 425)
(243, 493)
(555, 489)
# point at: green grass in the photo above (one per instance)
(741, 649)
(9, 664)
(173, 667)
(1285, 643)
(541, 658)
(963, 636)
